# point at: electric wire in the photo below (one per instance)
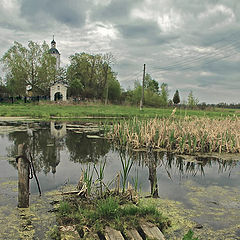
(231, 47)
(183, 63)
(187, 67)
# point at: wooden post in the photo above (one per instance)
(23, 179)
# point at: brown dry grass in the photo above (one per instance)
(187, 135)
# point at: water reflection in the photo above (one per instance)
(85, 150)
(44, 147)
(58, 130)
(54, 143)
(47, 142)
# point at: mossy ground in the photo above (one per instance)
(214, 208)
(26, 224)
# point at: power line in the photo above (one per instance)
(217, 53)
(134, 75)
(187, 67)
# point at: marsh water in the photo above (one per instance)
(205, 189)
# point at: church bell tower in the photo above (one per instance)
(54, 52)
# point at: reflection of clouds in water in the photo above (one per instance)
(69, 154)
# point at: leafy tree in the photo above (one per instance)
(192, 101)
(176, 97)
(91, 76)
(164, 94)
(114, 90)
(151, 84)
(31, 65)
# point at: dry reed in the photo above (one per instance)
(187, 135)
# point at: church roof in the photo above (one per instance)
(53, 51)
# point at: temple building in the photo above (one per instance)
(58, 91)
(54, 52)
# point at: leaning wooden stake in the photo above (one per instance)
(23, 179)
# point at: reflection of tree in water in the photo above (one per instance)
(170, 162)
(152, 160)
(44, 148)
(85, 150)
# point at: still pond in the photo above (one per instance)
(198, 192)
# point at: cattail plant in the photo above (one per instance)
(186, 135)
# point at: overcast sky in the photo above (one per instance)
(188, 44)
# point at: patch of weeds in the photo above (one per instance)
(95, 214)
(189, 236)
(64, 208)
(54, 233)
(107, 208)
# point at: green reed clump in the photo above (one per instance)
(186, 135)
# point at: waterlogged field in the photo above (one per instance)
(188, 135)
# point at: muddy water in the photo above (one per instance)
(198, 193)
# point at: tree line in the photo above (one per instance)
(88, 76)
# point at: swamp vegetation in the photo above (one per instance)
(181, 135)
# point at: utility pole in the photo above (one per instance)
(106, 80)
(142, 99)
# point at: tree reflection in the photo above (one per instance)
(183, 166)
(44, 148)
(84, 150)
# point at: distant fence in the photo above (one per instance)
(23, 99)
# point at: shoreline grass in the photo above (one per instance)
(49, 110)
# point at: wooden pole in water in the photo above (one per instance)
(23, 178)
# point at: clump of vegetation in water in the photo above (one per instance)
(187, 135)
(91, 217)
(95, 206)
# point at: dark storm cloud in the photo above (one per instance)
(71, 12)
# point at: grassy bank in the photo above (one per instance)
(48, 110)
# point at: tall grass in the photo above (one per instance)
(182, 135)
(100, 175)
(88, 178)
(126, 167)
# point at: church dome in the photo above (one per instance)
(53, 51)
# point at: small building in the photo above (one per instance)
(58, 91)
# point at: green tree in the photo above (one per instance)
(176, 97)
(31, 65)
(151, 84)
(91, 76)
(192, 101)
(114, 90)
(164, 94)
